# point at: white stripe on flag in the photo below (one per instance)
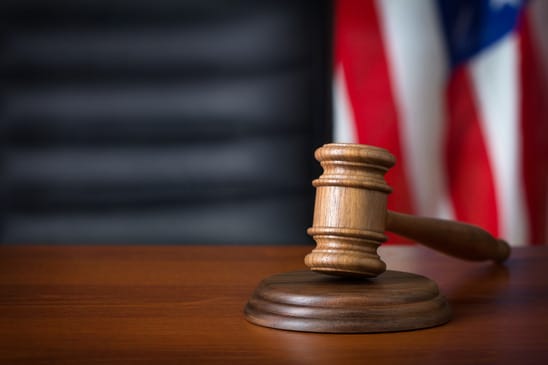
(418, 65)
(495, 77)
(344, 127)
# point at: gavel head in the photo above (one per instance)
(350, 210)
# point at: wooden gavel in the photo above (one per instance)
(350, 217)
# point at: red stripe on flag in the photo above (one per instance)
(534, 126)
(359, 49)
(471, 183)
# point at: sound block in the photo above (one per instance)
(313, 302)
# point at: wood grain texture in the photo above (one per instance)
(184, 305)
(312, 302)
(350, 210)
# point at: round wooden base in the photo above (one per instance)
(313, 302)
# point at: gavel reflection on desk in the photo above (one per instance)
(359, 295)
(350, 217)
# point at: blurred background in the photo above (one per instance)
(162, 121)
(195, 122)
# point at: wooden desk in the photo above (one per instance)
(162, 305)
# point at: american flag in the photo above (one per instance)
(457, 91)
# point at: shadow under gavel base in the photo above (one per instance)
(313, 302)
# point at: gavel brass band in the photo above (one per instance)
(350, 217)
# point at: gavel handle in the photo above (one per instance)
(457, 239)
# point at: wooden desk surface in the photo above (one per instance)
(162, 305)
